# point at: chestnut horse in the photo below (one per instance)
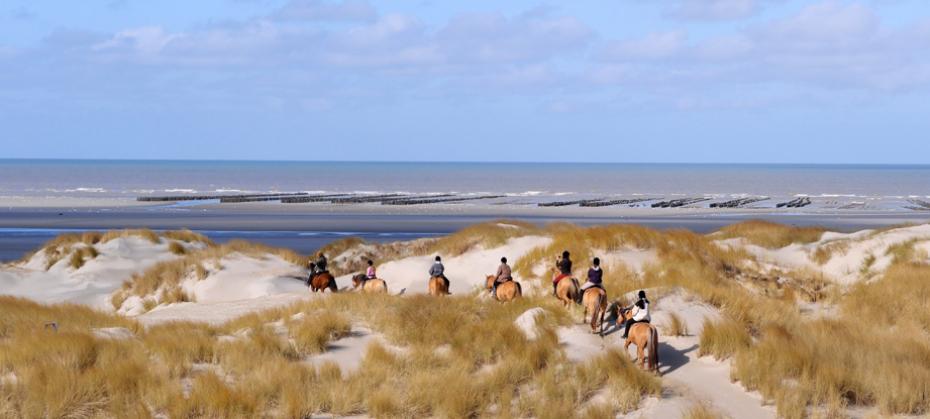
(568, 290)
(376, 285)
(506, 291)
(643, 335)
(595, 302)
(437, 286)
(322, 281)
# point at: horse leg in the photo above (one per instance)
(640, 355)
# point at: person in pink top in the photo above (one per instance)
(370, 273)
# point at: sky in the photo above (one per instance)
(747, 81)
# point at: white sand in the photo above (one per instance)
(93, 283)
(244, 277)
(349, 351)
(848, 262)
(466, 272)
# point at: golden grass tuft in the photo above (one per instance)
(676, 326)
(177, 248)
(311, 335)
(701, 410)
(187, 236)
(771, 235)
(723, 339)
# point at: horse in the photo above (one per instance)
(506, 291)
(568, 290)
(362, 283)
(643, 335)
(321, 281)
(437, 286)
(594, 301)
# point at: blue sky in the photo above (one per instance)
(829, 81)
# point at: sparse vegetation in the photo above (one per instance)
(701, 410)
(165, 278)
(771, 235)
(176, 248)
(676, 326)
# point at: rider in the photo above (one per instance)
(503, 275)
(640, 313)
(438, 270)
(370, 272)
(312, 268)
(595, 276)
(565, 270)
(321, 263)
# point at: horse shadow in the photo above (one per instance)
(673, 358)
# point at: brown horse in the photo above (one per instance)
(594, 301)
(437, 286)
(643, 335)
(506, 291)
(323, 281)
(376, 285)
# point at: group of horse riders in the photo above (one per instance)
(595, 278)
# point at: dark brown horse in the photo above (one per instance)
(323, 281)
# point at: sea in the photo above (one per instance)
(132, 178)
(889, 188)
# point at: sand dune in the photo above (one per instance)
(237, 284)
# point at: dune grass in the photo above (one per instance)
(675, 326)
(463, 357)
(771, 235)
(256, 365)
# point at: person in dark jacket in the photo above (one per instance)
(439, 270)
(321, 263)
(564, 264)
(503, 275)
(595, 276)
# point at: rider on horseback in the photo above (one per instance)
(438, 270)
(564, 264)
(640, 313)
(503, 275)
(370, 272)
(595, 276)
(321, 263)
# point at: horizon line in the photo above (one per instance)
(756, 163)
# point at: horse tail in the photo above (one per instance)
(597, 312)
(332, 284)
(519, 289)
(654, 348)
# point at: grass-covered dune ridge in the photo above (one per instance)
(817, 322)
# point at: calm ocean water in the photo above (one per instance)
(128, 179)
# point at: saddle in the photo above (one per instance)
(560, 277)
